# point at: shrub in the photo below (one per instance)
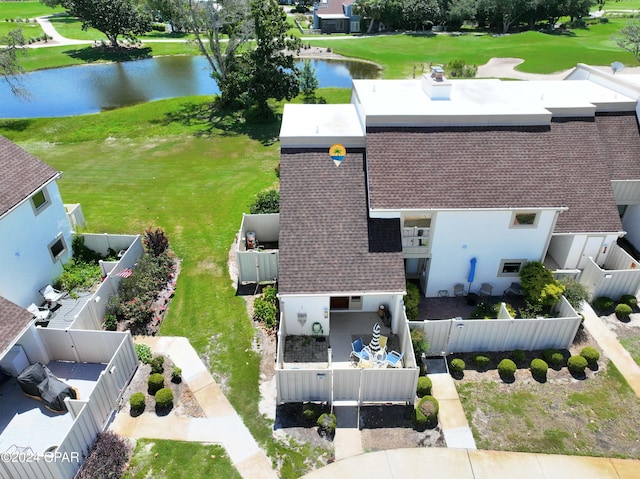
(412, 301)
(266, 313)
(603, 303)
(518, 356)
(156, 242)
(623, 311)
(575, 292)
(157, 364)
(107, 458)
(482, 361)
(426, 412)
(424, 387)
(459, 69)
(311, 412)
(266, 202)
(136, 401)
(155, 383)
(630, 300)
(553, 357)
(457, 365)
(420, 345)
(539, 368)
(176, 374)
(507, 368)
(164, 398)
(269, 294)
(144, 353)
(327, 425)
(484, 311)
(534, 276)
(591, 354)
(577, 364)
(77, 274)
(110, 322)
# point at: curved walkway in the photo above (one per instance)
(221, 426)
(56, 38)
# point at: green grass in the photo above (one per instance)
(168, 459)
(71, 27)
(592, 417)
(29, 29)
(131, 170)
(617, 5)
(29, 9)
(632, 344)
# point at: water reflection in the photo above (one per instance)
(93, 88)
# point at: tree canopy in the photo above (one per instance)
(629, 38)
(9, 65)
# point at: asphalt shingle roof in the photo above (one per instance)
(13, 320)
(569, 164)
(22, 174)
(324, 233)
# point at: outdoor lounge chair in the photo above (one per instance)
(51, 295)
(360, 351)
(458, 290)
(41, 314)
(485, 290)
(394, 359)
(514, 290)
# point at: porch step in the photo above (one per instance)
(345, 403)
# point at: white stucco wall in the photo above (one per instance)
(486, 235)
(26, 264)
(572, 251)
(631, 224)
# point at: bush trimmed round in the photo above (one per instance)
(457, 365)
(327, 424)
(518, 356)
(629, 299)
(591, 354)
(539, 367)
(603, 303)
(482, 361)
(424, 386)
(623, 311)
(577, 364)
(136, 401)
(507, 368)
(164, 398)
(311, 412)
(553, 357)
(426, 412)
(155, 383)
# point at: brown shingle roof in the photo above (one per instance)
(333, 7)
(324, 241)
(21, 174)
(568, 164)
(13, 320)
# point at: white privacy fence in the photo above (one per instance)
(457, 335)
(620, 275)
(257, 264)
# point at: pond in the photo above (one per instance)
(93, 88)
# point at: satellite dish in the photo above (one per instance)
(617, 67)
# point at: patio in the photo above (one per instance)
(67, 309)
(450, 307)
(345, 328)
(26, 422)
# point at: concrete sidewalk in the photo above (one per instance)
(449, 463)
(451, 417)
(221, 426)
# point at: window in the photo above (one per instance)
(511, 267)
(57, 247)
(39, 201)
(522, 219)
(417, 221)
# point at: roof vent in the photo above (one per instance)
(435, 85)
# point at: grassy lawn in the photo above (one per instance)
(166, 459)
(592, 417)
(71, 27)
(29, 29)
(617, 5)
(28, 9)
(632, 344)
(131, 170)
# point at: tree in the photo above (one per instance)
(166, 11)
(9, 66)
(308, 83)
(208, 20)
(629, 39)
(270, 67)
(114, 18)
(266, 202)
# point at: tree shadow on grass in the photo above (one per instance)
(93, 54)
(209, 119)
(15, 125)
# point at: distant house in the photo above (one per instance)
(35, 234)
(447, 183)
(335, 16)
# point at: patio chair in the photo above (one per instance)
(41, 314)
(458, 291)
(514, 290)
(52, 295)
(485, 290)
(360, 351)
(394, 359)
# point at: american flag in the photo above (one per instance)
(125, 273)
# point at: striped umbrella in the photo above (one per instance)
(374, 345)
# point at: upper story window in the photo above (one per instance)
(40, 201)
(524, 219)
(511, 267)
(417, 221)
(57, 247)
